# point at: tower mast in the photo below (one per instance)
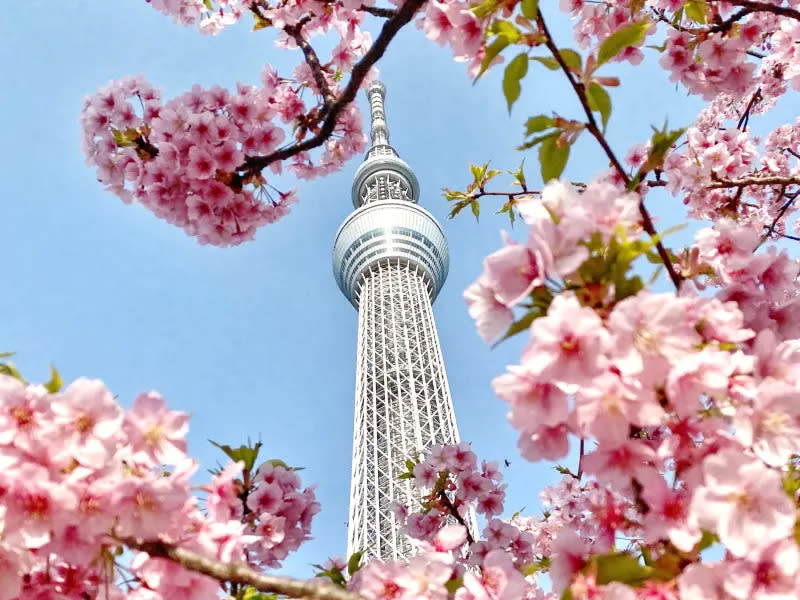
(390, 260)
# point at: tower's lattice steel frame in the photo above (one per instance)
(390, 259)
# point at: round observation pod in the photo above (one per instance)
(384, 176)
(389, 230)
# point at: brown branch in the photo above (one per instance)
(453, 511)
(745, 118)
(753, 6)
(778, 217)
(254, 164)
(241, 573)
(386, 13)
(591, 126)
(747, 181)
(312, 60)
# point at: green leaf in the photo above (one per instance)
(523, 324)
(478, 172)
(515, 71)
(11, 370)
(535, 567)
(246, 454)
(600, 101)
(622, 567)
(571, 58)
(334, 574)
(453, 585)
(552, 158)
(276, 462)
(519, 175)
(354, 562)
(208, 4)
(538, 123)
(697, 11)
(251, 593)
(492, 50)
(55, 382)
(707, 540)
(476, 209)
(7, 354)
(661, 143)
(538, 139)
(120, 139)
(484, 9)
(627, 36)
(548, 61)
(530, 8)
(507, 29)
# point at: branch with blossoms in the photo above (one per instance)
(240, 573)
(593, 128)
(255, 164)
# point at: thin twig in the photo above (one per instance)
(778, 217)
(241, 573)
(254, 164)
(591, 126)
(453, 511)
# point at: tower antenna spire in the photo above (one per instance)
(376, 92)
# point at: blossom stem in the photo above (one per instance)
(591, 126)
(241, 573)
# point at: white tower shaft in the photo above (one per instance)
(403, 403)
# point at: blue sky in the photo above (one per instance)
(256, 340)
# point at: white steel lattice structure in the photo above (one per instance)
(390, 260)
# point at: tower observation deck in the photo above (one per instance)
(390, 260)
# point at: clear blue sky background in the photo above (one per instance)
(256, 340)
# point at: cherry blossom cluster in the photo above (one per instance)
(183, 159)
(452, 486)
(558, 222)
(687, 404)
(209, 17)
(81, 475)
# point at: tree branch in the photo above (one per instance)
(591, 126)
(386, 13)
(453, 511)
(753, 6)
(254, 164)
(312, 60)
(241, 573)
(747, 181)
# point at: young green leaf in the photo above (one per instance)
(538, 123)
(492, 50)
(697, 11)
(354, 562)
(548, 61)
(600, 101)
(515, 71)
(55, 382)
(629, 35)
(530, 8)
(552, 158)
(571, 58)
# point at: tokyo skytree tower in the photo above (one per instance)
(390, 260)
